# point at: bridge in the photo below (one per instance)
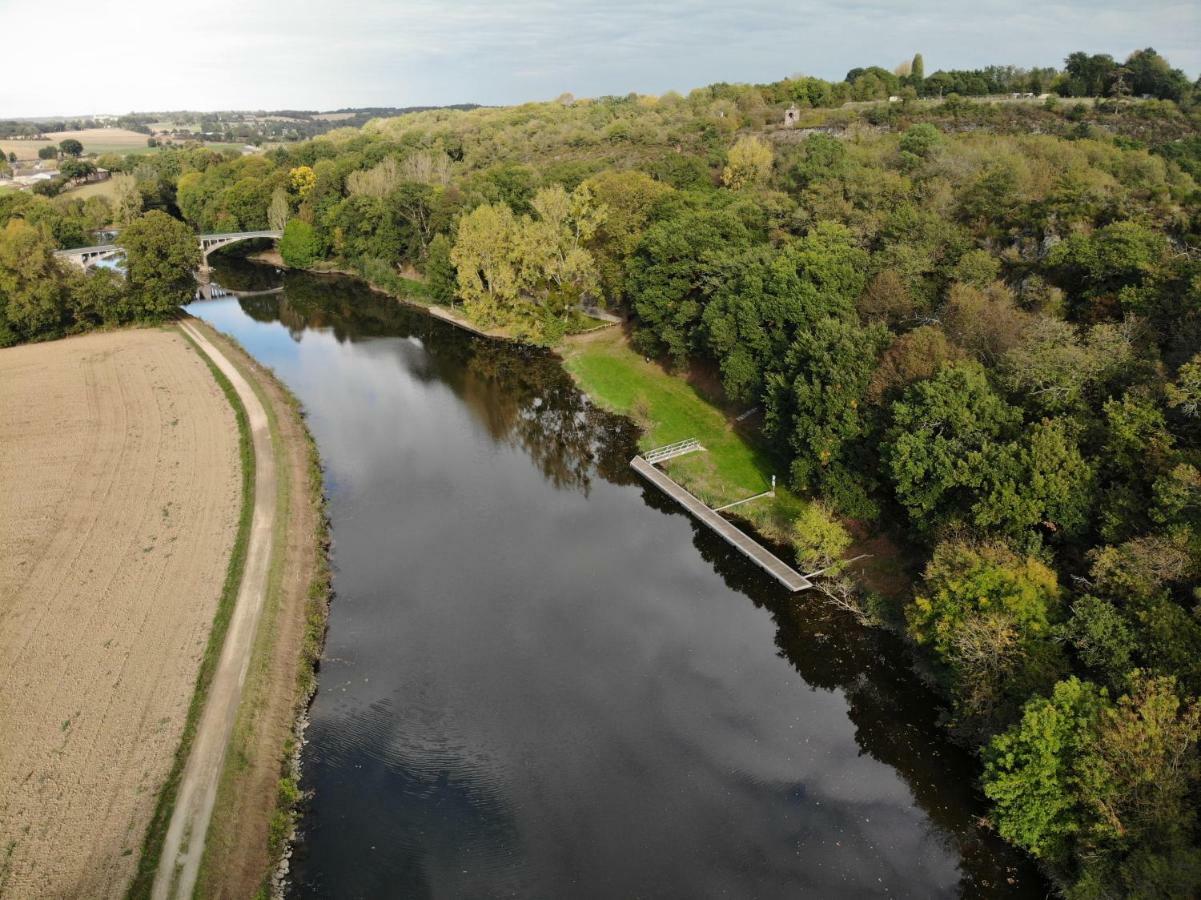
(85, 257)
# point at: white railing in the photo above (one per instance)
(661, 454)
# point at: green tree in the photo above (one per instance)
(48, 152)
(33, 285)
(629, 197)
(300, 247)
(70, 147)
(485, 255)
(1185, 394)
(440, 271)
(1030, 771)
(937, 426)
(825, 378)
(161, 256)
(818, 538)
(669, 273)
(985, 614)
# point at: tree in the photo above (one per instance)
(913, 357)
(70, 147)
(938, 425)
(917, 69)
(920, 140)
(1185, 394)
(669, 273)
(440, 272)
(554, 242)
(99, 296)
(1101, 790)
(827, 373)
(48, 152)
(818, 539)
(76, 169)
(299, 246)
(1030, 770)
(748, 164)
(629, 198)
(161, 255)
(985, 613)
(986, 323)
(485, 255)
(33, 288)
(303, 179)
(127, 199)
(279, 210)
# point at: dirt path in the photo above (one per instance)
(120, 489)
(184, 844)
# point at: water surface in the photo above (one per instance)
(541, 679)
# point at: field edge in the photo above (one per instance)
(242, 854)
(156, 830)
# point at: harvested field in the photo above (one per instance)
(94, 140)
(120, 491)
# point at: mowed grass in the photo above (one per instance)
(669, 409)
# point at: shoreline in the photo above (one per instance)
(248, 840)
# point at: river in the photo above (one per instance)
(543, 680)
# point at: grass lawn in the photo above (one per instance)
(735, 466)
(669, 409)
(95, 189)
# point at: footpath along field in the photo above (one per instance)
(120, 490)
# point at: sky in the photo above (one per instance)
(151, 55)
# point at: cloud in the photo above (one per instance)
(151, 55)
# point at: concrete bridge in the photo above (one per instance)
(85, 257)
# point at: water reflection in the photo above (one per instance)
(543, 680)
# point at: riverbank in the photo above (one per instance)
(413, 292)
(670, 408)
(254, 811)
(253, 790)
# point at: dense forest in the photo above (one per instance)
(974, 324)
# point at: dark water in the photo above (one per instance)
(541, 680)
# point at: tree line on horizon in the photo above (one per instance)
(975, 326)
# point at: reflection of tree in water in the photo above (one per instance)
(522, 396)
(896, 717)
(525, 399)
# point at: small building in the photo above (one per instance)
(792, 115)
(29, 177)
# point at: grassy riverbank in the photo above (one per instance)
(254, 810)
(670, 409)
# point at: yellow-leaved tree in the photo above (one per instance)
(748, 164)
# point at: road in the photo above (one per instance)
(184, 844)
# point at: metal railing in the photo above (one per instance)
(660, 454)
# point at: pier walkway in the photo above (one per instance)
(750, 548)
